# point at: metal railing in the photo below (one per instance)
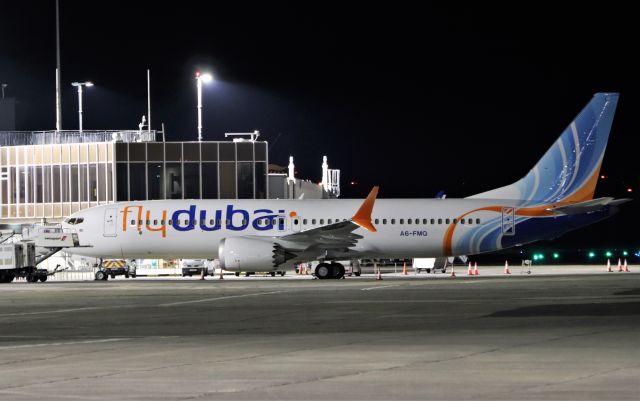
(17, 138)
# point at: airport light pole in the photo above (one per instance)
(79, 85)
(200, 79)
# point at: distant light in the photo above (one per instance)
(608, 254)
(625, 253)
(637, 254)
(629, 189)
(197, 74)
(604, 177)
(206, 78)
(592, 254)
(354, 182)
(556, 255)
(89, 83)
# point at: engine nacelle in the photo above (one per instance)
(251, 254)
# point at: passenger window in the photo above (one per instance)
(227, 222)
(433, 221)
(455, 221)
(295, 222)
(477, 221)
(170, 222)
(133, 222)
(401, 221)
(313, 221)
(329, 221)
(211, 222)
(282, 222)
(244, 222)
(384, 221)
(439, 221)
(155, 222)
(139, 222)
(304, 221)
(409, 221)
(461, 221)
(321, 221)
(162, 222)
(446, 221)
(377, 221)
(393, 221)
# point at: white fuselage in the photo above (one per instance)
(166, 228)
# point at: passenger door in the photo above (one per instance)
(110, 221)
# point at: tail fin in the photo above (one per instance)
(569, 171)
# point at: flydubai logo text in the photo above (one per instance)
(191, 219)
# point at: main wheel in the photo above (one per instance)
(338, 271)
(32, 278)
(43, 278)
(323, 271)
(100, 275)
(273, 274)
(237, 274)
(282, 273)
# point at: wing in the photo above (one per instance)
(337, 236)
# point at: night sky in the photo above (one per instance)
(415, 99)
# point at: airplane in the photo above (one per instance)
(556, 196)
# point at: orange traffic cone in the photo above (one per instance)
(475, 270)
(626, 267)
(453, 271)
(619, 265)
(609, 266)
(404, 269)
(506, 267)
(470, 270)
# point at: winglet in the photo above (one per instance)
(363, 215)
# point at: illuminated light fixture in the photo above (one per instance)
(79, 85)
(629, 189)
(592, 254)
(604, 177)
(625, 253)
(200, 79)
(556, 255)
(608, 254)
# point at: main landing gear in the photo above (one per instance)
(329, 270)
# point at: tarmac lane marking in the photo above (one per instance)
(379, 287)
(221, 298)
(104, 340)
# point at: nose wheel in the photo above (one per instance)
(329, 270)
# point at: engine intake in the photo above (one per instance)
(251, 254)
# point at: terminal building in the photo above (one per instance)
(48, 175)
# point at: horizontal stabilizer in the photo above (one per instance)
(589, 206)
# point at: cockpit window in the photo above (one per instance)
(74, 220)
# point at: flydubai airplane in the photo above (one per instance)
(555, 197)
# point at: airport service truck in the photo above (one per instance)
(19, 260)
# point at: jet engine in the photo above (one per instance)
(251, 254)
